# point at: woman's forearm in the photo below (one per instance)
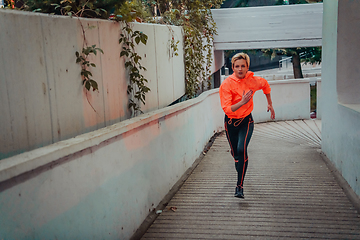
(268, 98)
(236, 106)
(270, 106)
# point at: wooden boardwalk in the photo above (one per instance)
(289, 192)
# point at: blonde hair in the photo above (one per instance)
(240, 56)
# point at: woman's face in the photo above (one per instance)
(240, 68)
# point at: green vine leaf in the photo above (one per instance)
(94, 84)
(87, 85)
(144, 38)
(136, 89)
(137, 40)
(124, 53)
(85, 64)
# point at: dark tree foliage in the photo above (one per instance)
(307, 55)
(83, 8)
(199, 29)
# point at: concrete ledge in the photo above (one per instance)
(19, 164)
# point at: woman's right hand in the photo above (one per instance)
(244, 100)
(246, 97)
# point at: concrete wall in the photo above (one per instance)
(103, 184)
(42, 99)
(340, 75)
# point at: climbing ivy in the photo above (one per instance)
(79, 8)
(82, 58)
(199, 29)
(194, 16)
(137, 87)
(117, 10)
(173, 44)
(133, 11)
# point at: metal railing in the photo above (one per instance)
(288, 60)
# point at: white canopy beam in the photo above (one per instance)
(284, 26)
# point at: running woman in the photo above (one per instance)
(236, 96)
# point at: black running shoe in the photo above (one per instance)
(239, 192)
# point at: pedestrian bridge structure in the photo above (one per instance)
(290, 192)
(269, 27)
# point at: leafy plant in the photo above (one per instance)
(174, 46)
(309, 55)
(194, 16)
(131, 11)
(199, 28)
(137, 87)
(79, 8)
(82, 58)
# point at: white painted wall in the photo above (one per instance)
(103, 184)
(291, 100)
(282, 26)
(340, 121)
(42, 99)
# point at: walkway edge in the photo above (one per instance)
(349, 192)
(152, 215)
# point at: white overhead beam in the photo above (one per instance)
(283, 26)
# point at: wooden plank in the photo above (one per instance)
(256, 234)
(233, 228)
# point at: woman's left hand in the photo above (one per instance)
(272, 111)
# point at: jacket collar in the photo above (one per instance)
(249, 74)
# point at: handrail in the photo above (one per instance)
(286, 59)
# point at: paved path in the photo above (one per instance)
(289, 192)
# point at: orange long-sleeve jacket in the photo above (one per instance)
(231, 91)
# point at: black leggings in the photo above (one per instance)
(238, 133)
